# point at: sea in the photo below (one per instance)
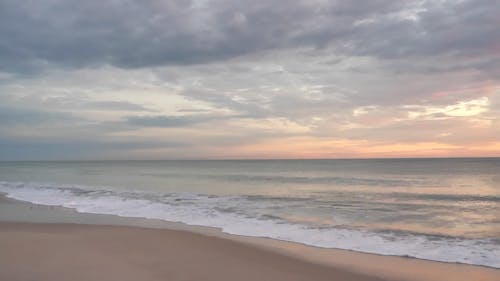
(444, 210)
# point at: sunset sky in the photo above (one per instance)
(203, 79)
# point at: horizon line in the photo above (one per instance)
(254, 159)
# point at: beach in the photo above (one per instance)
(44, 250)
(85, 252)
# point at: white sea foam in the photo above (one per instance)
(231, 214)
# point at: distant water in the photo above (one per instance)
(438, 209)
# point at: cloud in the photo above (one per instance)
(461, 109)
(115, 105)
(11, 116)
(169, 121)
(214, 74)
(136, 34)
(57, 149)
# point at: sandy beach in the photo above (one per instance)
(86, 252)
(47, 251)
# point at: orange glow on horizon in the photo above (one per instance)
(307, 147)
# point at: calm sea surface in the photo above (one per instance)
(438, 209)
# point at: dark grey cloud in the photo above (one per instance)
(116, 105)
(132, 34)
(29, 103)
(168, 121)
(26, 116)
(459, 28)
(57, 149)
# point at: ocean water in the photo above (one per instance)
(438, 209)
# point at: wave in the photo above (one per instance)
(319, 180)
(240, 215)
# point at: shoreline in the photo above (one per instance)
(425, 245)
(364, 264)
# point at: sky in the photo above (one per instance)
(216, 79)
